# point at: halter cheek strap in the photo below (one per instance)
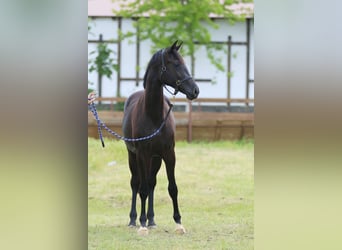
(178, 82)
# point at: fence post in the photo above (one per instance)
(247, 58)
(118, 86)
(137, 67)
(99, 75)
(229, 43)
(190, 122)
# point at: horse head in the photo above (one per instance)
(175, 74)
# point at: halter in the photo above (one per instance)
(178, 82)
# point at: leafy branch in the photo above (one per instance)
(186, 20)
(103, 62)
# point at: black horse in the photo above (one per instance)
(144, 113)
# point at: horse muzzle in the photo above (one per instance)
(191, 95)
(190, 89)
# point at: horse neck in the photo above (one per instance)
(154, 97)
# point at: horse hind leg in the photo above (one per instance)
(155, 166)
(143, 191)
(170, 161)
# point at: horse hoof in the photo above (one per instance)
(152, 225)
(143, 231)
(180, 229)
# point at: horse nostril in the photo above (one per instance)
(196, 91)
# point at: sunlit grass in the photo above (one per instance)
(215, 182)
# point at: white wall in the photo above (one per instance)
(203, 68)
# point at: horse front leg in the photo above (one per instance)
(133, 212)
(170, 161)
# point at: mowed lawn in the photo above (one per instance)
(215, 193)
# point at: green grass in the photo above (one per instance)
(215, 182)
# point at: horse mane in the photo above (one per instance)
(153, 60)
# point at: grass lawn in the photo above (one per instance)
(215, 193)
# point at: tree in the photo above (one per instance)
(169, 20)
(104, 63)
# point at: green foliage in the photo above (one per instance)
(184, 20)
(103, 63)
(89, 25)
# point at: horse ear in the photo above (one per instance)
(174, 45)
(180, 44)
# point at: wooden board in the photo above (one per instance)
(209, 126)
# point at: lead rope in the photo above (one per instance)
(98, 121)
(91, 105)
(101, 124)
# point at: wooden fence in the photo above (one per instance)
(190, 125)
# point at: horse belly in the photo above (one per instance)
(130, 111)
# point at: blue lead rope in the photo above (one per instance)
(98, 121)
(100, 124)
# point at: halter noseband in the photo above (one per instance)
(178, 82)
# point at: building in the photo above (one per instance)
(132, 54)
